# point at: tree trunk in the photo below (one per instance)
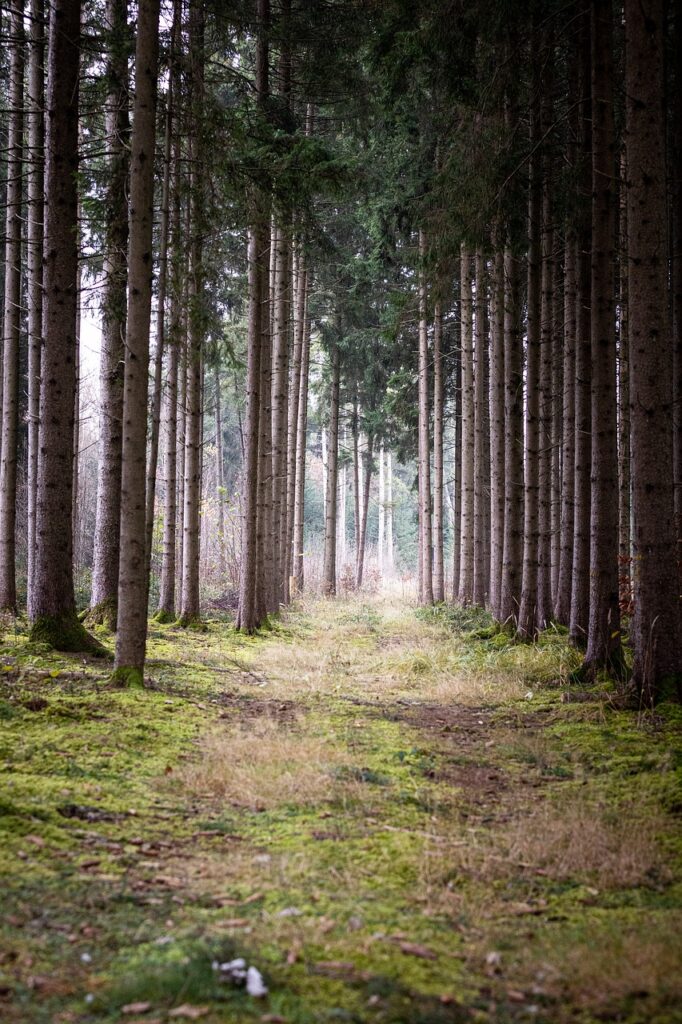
(364, 509)
(497, 429)
(294, 402)
(189, 607)
(389, 513)
(438, 396)
(267, 588)
(481, 439)
(624, 486)
(132, 585)
(53, 609)
(34, 245)
(527, 625)
(258, 237)
(580, 593)
(544, 596)
(426, 591)
(382, 513)
(655, 628)
(457, 476)
(356, 485)
(280, 372)
(466, 565)
(603, 644)
(161, 311)
(301, 434)
(219, 471)
(676, 282)
(512, 545)
(329, 567)
(12, 316)
(104, 598)
(562, 606)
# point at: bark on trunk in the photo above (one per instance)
(466, 564)
(132, 585)
(497, 431)
(34, 245)
(104, 598)
(190, 608)
(367, 482)
(329, 567)
(438, 397)
(53, 610)
(512, 546)
(603, 644)
(481, 438)
(544, 599)
(655, 629)
(527, 625)
(424, 465)
(562, 606)
(12, 316)
(301, 434)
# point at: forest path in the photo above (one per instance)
(378, 808)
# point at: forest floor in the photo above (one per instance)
(395, 816)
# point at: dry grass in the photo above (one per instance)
(261, 765)
(582, 842)
(605, 968)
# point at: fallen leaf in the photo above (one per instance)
(188, 1012)
(273, 1018)
(36, 840)
(515, 996)
(235, 922)
(293, 954)
(136, 1008)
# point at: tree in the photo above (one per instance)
(466, 564)
(108, 516)
(329, 567)
(497, 478)
(603, 643)
(424, 464)
(656, 626)
(512, 544)
(52, 609)
(12, 318)
(132, 588)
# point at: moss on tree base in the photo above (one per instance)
(104, 614)
(192, 622)
(66, 633)
(127, 677)
(164, 617)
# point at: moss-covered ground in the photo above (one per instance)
(395, 816)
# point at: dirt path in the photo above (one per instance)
(385, 814)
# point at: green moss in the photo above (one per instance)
(164, 617)
(128, 677)
(104, 614)
(65, 633)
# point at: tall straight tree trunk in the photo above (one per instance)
(301, 434)
(162, 288)
(381, 540)
(267, 588)
(258, 238)
(132, 584)
(53, 608)
(299, 291)
(562, 606)
(166, 612)
(104, 598)
(481, 457)
(364, 507)
(357, 523)
(466, 563)
(656, 626)
(34, 246)
(624, 481)
(546, 381)
(457, 476)
(180, 456)
(220, 480)
(557, 413)
(527, 625)
(676, 281)
(424, 466)
(329, 566)
(389, 513)
(280, 367)
(580, 593)
(497, 428)
(438, 398)
(512, 546)
(12, 316)
(189, 607)
(603, 642)
(341, 529)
